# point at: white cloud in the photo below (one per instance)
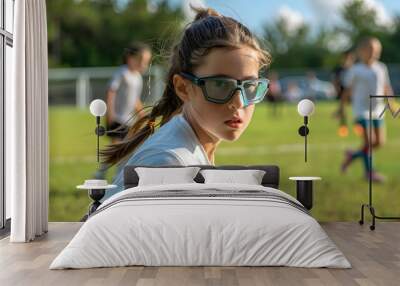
(383, 17)
(328, 11)
(293, 18)
(338, 42)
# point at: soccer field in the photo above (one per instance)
(269, 139)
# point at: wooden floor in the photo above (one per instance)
(374, 255)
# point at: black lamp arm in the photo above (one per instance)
(100, 131)
(303, 131)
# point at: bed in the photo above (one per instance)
(201, 224)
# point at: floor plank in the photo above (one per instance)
(374, 255)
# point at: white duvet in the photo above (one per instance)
(190, 230)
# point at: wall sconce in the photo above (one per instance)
(305, 108)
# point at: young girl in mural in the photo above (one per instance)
(212, 87)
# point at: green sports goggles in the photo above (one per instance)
(220, 89)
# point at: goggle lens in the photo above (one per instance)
(220, 90)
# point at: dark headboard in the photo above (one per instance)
(270, 179)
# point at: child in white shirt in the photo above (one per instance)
(367, 77)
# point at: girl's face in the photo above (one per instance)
(139, 63)
(370, 51)
(222, 121)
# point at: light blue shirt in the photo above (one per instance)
(174, 143)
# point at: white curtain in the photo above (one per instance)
(26, 124)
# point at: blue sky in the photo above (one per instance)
(255, 13)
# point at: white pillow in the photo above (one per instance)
(250, 177)
(162, 176)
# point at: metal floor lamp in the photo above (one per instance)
(370, 205)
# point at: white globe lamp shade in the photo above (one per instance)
(305, 107)
(98, 107)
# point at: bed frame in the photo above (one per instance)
(270, 179)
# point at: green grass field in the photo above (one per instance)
(268, 140)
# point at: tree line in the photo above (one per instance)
(93, 33)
